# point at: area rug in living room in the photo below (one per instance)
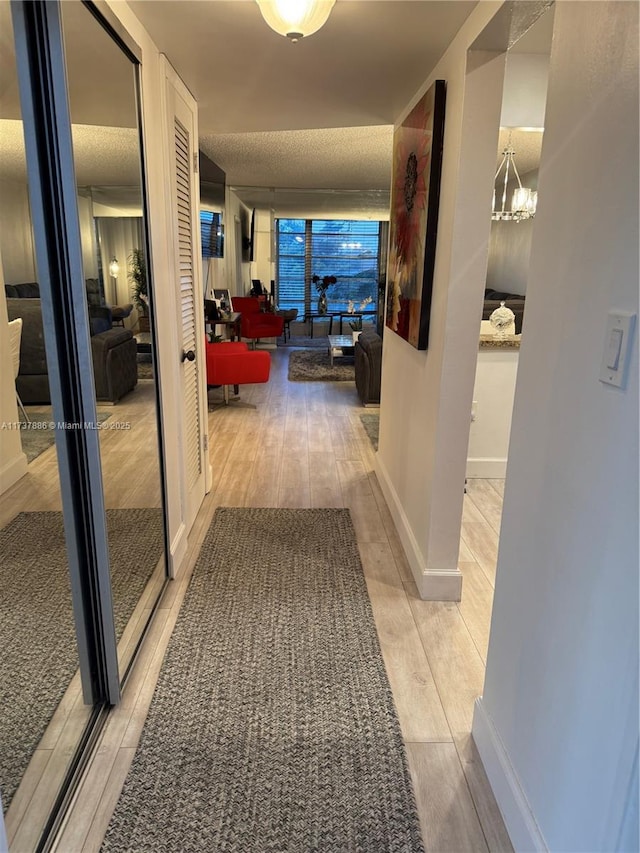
(37, 634)
(272, 726)
(38, 435)
(314, 366)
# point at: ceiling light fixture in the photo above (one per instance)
(295, 19)
(524, 200)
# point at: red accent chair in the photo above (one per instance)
(254, 323)
(234, 364)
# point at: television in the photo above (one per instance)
(248, 226)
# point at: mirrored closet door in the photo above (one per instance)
(82, 534)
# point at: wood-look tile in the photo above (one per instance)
(455, 662)
(487, 500)
(487, 809)
(264, 480)
(22, 798)
(482, 542)
(324, 480)
(107, 802)
(448, 818)
(475, 606)
(498, 485)
(414, 691)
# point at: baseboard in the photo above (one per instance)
(433, 585)
(178, 550)
(486, 468)
(518, 818)
(12, 472)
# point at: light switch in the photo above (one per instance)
(617, 347)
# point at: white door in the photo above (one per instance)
(186, 252)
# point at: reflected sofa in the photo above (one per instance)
(113, 353)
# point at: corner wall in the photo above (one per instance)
(426, 396)
(557, 726)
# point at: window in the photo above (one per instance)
(347, 249)
(212, 234)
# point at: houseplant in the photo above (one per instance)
(137, 275)
(322, 285)
(356, 328)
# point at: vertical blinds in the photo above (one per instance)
(346, 249)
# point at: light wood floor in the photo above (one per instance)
(304, 445)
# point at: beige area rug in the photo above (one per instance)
(314, 366)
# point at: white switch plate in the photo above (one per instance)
(617, 347)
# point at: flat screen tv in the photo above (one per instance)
(248, 225)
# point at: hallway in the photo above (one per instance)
(304, 445)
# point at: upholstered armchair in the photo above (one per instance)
(234, 364)
(255, 324)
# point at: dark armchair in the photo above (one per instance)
(254, 323)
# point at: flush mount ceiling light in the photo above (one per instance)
(295, 19)
(524, 200)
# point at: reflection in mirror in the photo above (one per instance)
(42, 714)
(108, 163)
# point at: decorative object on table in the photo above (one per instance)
(415, 196)
(356, 328)
(524, 200)
(502, 321)
(322, 285)
(137, 275)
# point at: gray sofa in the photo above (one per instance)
(113, 352)
(368, 366)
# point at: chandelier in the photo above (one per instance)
(523, 202)
(295, 19)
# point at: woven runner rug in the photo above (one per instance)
(38, 656)
(314, 366)
(272, 727)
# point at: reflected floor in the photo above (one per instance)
(130, 472)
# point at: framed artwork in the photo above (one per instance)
(415, 197)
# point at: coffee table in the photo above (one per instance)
(338, 345)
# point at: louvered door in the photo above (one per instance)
(188, 286)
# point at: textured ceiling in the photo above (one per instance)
(527, 145)
(316, 114)
(342, 158)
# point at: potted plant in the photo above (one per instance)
(356, 328)
(322, 285)
(137, 275)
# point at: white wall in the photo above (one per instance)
(558, 722)
(426, 396)
(525, 90)
(493, 394)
